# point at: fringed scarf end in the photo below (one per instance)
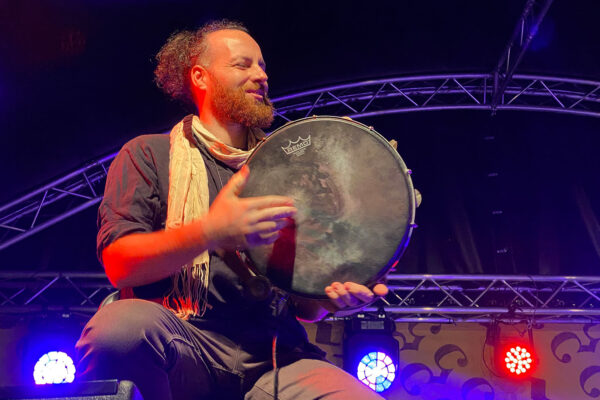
(188, 296)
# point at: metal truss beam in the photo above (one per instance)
(443, 92)
(525, 30)
(58, 292)
(484, 298)
(425, 298)
(53, 202)
(83, 188)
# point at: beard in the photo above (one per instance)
(235, 106)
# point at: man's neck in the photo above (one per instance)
(230, 133)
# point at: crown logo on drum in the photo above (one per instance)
(297, 147)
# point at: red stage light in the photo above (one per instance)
(518, 360)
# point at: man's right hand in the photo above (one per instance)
(233, 222)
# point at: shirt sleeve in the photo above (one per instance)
(131, 200)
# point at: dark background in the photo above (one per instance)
(76, 84)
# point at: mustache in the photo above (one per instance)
(262, 89)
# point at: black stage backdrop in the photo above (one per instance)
(516, 193)
(511, 194)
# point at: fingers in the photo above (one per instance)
(361, 292)
(272, 214)
(236, 183)
(394, 144)
(352, 294)
(261, 239)
(269, 221)
(418, 197)
(269, 237)
(380, 290)
(269, 226)
(349, 294)
(272, 201)
(338, 295)
(266, 232)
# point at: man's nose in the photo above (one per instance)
(259, 74)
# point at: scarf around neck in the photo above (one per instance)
(188, 201)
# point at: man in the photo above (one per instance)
(170, 216)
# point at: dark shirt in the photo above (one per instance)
(135, 200)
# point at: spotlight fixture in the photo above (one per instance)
(54, 367)
(513, 355)
(48, 349)
(377, 371)
(370, 351)
(518, 360)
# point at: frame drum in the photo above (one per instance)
(355, 200)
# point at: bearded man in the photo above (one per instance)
(183, 328)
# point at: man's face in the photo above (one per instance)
(237, 82)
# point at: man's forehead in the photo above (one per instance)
(231, 42)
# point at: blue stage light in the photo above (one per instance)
(54, 367)
(377, 371)
(371, 352)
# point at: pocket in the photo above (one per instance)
(229, 384)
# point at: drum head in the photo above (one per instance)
(355, 204)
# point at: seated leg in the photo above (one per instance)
(143, 342)
(311, 379)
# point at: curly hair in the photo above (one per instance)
(180, 53)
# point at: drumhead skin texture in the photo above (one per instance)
(355, 200)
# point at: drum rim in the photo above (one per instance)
(403, 244)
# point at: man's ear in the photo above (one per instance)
(198, 77)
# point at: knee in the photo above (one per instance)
(122, 328)
(319, 379)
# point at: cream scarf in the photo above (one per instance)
(188, 201)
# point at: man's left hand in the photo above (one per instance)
(352, 295)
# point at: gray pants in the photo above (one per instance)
(168, 358)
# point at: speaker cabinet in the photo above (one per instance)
(91, 390)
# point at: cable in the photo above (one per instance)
(278, 308)
(530, 334)
(494, 333)
(537, 295)
(275, 368)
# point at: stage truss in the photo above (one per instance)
(412, 298)
(83, 188)
(484, 298)
(444, 92)
(53, 202)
